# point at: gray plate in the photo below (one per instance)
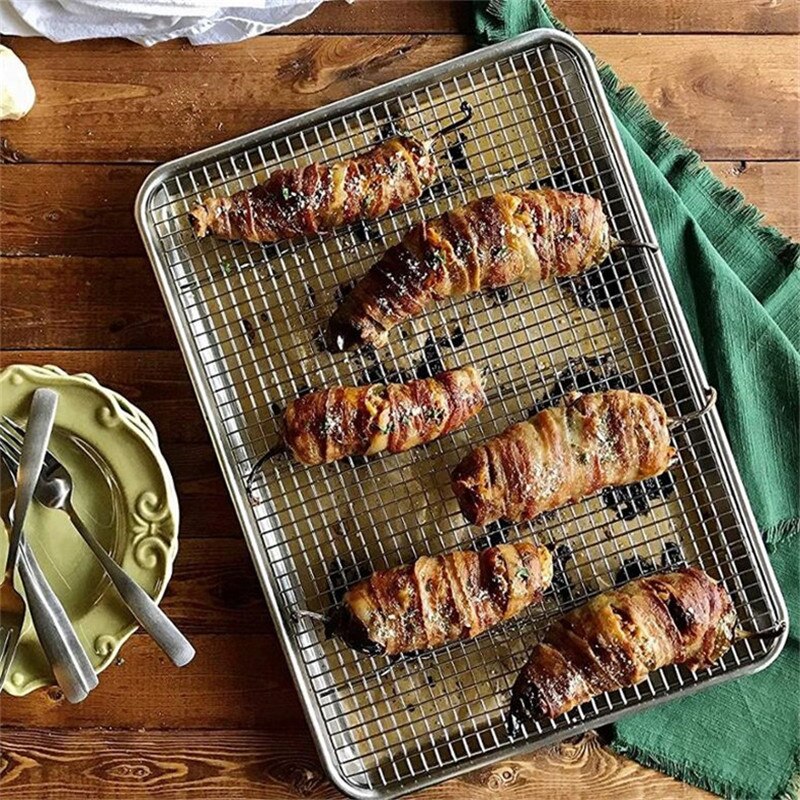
(248, 318)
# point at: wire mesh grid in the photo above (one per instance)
(252, 318)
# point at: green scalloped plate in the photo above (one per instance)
(125, 494)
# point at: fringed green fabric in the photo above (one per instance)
(739, 286)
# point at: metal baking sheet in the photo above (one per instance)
(249, 317)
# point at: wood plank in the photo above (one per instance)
(206, 507)
(91, 111)
(581, 16)
(70, 209)
(235, 681)
(385, 16)
(172, 765)
(706, 89)
(679, 16)
(255, 764)
(115, 303)
(214, 589)
(773, 186)
(83, 303)
(174, 98)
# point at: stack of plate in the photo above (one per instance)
(126, 496)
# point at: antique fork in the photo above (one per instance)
(54, 490)
(29, 465)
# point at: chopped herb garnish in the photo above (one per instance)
(434, 415)
(523, 573)
(405, 415)
(225, 266)
(435, 256)
(286, 192)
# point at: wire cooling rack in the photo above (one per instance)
(249, 319)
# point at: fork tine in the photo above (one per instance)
(14, 430)
(9, 446)
(9, 650)
(5, 635)
(14, 424)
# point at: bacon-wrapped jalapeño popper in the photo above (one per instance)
(343, 421)
(442, 599)
(621, 636)
(562, 454)
(320, 197)
(494, 241)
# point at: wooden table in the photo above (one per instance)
(77, 291)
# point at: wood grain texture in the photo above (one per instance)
(236, 681)
(720, 94)
(279, 765)
(214, 589)
(70, 209)
(773, 186)
(679, 16)
(96, 113)
(386, 16)
(176, 98)
(582, 16)
(114, 303)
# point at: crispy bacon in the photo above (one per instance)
(356, 421)
(320, 197)
(562, 454)
(491, 242)
(441, 599)
(622, 635)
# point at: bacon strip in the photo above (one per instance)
(442, 599)
(355, 421)
(622, 635)
(491, 242)
(320, 197)
(563, 454)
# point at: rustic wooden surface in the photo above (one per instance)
(77, 291)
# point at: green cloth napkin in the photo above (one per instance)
(739, 285)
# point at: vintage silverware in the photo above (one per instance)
(54, 490)
(30, 460)
(71, 667)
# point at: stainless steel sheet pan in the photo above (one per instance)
(248, 318)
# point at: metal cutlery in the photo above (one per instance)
(54, 490)
(73, 671)
(29, 465)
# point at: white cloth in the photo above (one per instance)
(149, 21)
